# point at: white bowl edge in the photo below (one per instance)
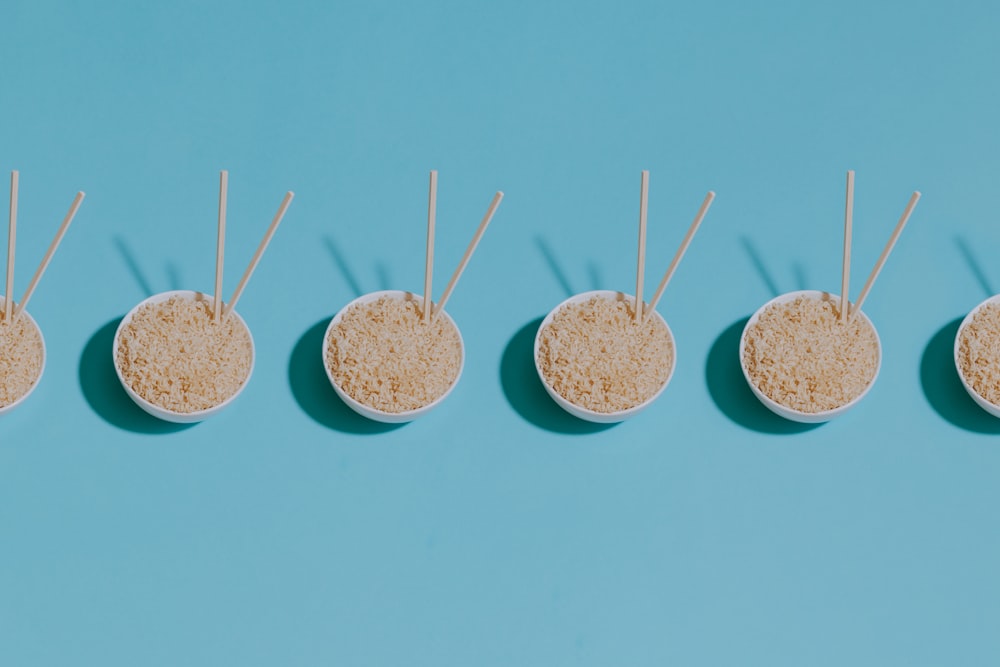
(790, 413)
(41, 371)
(991, 408)
(163, 413)
(368, 411)
(585, 413)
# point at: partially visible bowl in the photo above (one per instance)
(587, 413)
(41, 368)
(792, 413)
(369, 411)
(159, 411)
(980, 400)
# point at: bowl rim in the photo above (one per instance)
(159, 411)
(992, 408)
(792, 413)
(367, 410)
(41, 369)
(578, 410)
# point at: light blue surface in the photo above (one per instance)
(498, 531)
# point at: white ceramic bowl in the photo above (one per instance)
(163, 413)
(790, 413)
(586, 413)
(366, 410)
(991, 408)
(41, 369)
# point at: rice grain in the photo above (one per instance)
(20, 358)
(979, 352)
(593, 354)
(384, 356)
(175, 356)
(800, 355)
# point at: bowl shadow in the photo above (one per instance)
(730, 393)
(524, 390)
(104, 393)
(314, 394)
(943, 387)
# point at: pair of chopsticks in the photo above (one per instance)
(430, 310)
(11, 312)
(220, 309)
(848, 313)
(640, 309)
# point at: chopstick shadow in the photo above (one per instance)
(174, 276)
(312, 391)
(557, 271)
(594, 273)
(384, 279)
(943, 388)
(524, 390)
(759, 266)
(974, 265)
(104, 392)
(728, 388)
(342, 266)
(133, 268)
(801, 280)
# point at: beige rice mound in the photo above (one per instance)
(384, 356)
(173, 355)
(20, 358)
(595, 356)
(979, 352)
(800, 355)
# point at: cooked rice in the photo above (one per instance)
(979, 352)
(20, 357)
(173, 355)
(384, 356)
(800, 355)
(594, 355)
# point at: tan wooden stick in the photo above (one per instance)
(260, 252)
(641, 262)
(468, 253)
(50, 252)
(845, 278)
(680, 251)
(429, 258)
(220, 245)
(914, 198)
(8, 297)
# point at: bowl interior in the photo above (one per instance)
(581, 411)
(41, 368)
(980, 400)
(160, 411)
(783, 410)
(367, 410)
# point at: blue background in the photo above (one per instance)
(498, 530)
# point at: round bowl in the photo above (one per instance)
(991, 408)
(790, 413)
(366, 410)
(156, 410)
(586, 413)
(41, 369)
